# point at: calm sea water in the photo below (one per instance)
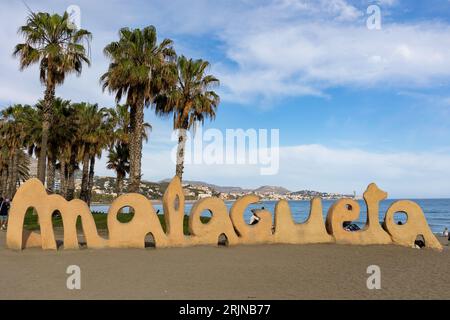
(437, 211)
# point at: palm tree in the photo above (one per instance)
(23, 167)
(3, 169)
(118, 160)
(119, 154)
(15, 136)
(64, 136)
(92, 135)
(12, 140)
(141, 69)
(51, 41)
(101, 138)
(190, 101)
(57, 135)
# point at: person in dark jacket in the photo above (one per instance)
(4, 208)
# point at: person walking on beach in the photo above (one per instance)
(445, 232)
(4, 207)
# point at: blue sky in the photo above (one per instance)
(353, 105)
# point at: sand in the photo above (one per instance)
(243, 272)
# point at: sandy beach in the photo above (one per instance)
(243, 272)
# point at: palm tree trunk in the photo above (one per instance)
(1, 181)
(70, 194)
(91, 180)
(12, 174)
(119, 181)
(10, 170)
(130, 141)
(136, 147)
(66, 172)
(4, 181)
(84, 180)
(182, 136)
(62, 178)
(15, 174)
(51, 167)
(47, 116)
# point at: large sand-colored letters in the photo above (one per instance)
(278, 229)
(132, 234)
(416, 225)
(349, 210)
(32, 195)
(220, 223)
(251, 234)
(311, 231)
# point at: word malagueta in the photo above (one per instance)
(281, 229)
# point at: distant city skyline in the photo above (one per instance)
(352, 105)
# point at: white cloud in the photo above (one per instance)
(274, 48)
(340, 10)
(401, 174)
(309, 58)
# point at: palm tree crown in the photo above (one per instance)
(51, 41)
(140, 69)
(190, 101)
(66, 136)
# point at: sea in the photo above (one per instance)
(437, 211)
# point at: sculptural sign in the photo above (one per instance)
(132, 234)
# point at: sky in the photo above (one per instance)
(352, 104)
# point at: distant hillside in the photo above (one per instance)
(229, 189)
(105, 191)
(313, 194)
(217, 188)
(309, 193)
(271, 189)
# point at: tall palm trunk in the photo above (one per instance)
(62, 178)
(47, 117)
(91, 179)
(51, 168)
(10, 165)
(15, 174)
(1, 180)
(12, 174)
(4, 181)
(84, 180)
(70, 194)
(182, 136)
(137, 127)
(119, 182)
